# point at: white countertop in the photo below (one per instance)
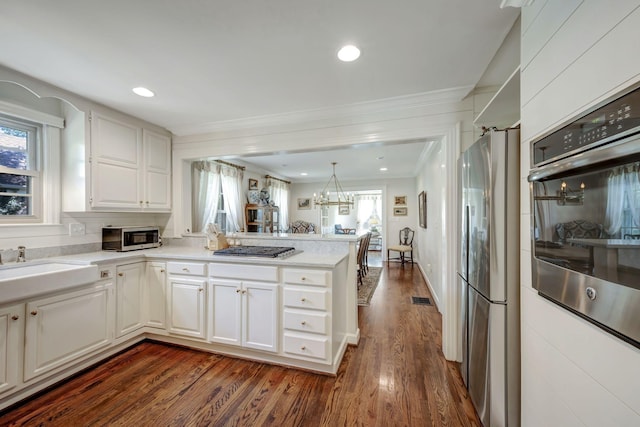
(303, 259)
(608, 243)
(291, 236)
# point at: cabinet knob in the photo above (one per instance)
(147, 202)
(244, 291)
(15, 317)
(34, 312)
(185, 269)
(140, 201)
(303, 299)
(162, 270)
(303, 323)
(303, 278)
(237, 291)
(303, 348)
(120, 274)
(200, 290)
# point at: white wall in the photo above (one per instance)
(432, 181)
(574, 54)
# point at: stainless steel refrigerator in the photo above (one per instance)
(488, 274)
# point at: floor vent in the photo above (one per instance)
(421, 300)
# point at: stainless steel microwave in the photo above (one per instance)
(130, 238)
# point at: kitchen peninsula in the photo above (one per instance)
(298, 311)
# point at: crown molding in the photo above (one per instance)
(329, 114)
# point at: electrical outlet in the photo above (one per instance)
(76, 229)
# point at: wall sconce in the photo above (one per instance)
(566, 196)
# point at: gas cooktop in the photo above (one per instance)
(257, 251)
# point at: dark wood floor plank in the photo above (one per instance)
(396, 376)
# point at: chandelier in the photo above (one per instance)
(323, 199)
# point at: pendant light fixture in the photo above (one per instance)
(324, 199)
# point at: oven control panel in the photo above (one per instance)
(618, 118)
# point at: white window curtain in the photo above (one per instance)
(232, 189)
(368, 208)
(206, 191)
(279, 193)
(616, 191)
(543, 227)
(633, 193)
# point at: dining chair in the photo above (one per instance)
(406, 245)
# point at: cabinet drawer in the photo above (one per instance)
(306, 321)
(306, 298)
(306, 277)
(187, 268)
(317, 348)
(263, 273)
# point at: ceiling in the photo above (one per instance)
(212, 61)
(361, 161)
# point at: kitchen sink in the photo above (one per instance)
(21, 280)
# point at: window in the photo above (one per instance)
(220, 213)
(19, 171)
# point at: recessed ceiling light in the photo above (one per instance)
(303, 173)
(383, 169)
(143, 91)
(348, 53)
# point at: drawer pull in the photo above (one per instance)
(303, 278)
(303, 299)
(303, 348)
(15, 317)
(34, 312)
(185, 269)
(303, 323)
(120, 274)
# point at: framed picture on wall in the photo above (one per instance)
(422, 209)
(253, 184)
(399, 211)
(304, 203)
(400, 200)
(343, 209)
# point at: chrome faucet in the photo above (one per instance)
(21, 255)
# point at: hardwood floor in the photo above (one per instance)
(396, 376)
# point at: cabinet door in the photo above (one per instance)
(63, 328)
(186, 303)
(129, 296)
(155, 297)
(157, 171)
(225, 301)
(116, 153)
(260, 316)
(11, 345)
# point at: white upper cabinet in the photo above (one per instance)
(116, 164)
(122, 166)
(156, 170)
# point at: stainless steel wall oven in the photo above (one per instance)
(585, 197)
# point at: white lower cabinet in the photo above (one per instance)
(307, 321)
(244, 313)
(155, 295)
(130, 296)
(64, 328)
(11, 346)
(186, 306)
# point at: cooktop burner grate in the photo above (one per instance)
(257, 251)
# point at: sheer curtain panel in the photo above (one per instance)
(232, 190)
(206, 183)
